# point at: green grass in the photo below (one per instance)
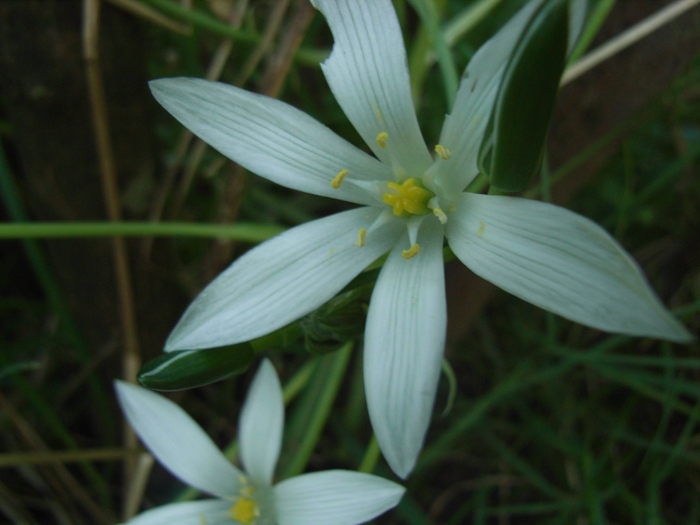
(551, 422)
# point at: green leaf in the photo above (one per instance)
(512, 150)
(192, 368)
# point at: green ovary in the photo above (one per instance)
(408, 198)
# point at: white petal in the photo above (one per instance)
(281, 280)
(177, 441)
(337, 497)
(211, 512)
(261, 425)
(368, 75)
(559, 261)
(404, 344)
(464, 128)
(268, 137)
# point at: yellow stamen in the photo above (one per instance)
(382, 138)
(407, 198)
(360, 242)
(440, 215)
(338, 179)
(443, 152)
(411, 252)
(245, 510)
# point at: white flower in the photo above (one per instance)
(410, 199)
(340, 497)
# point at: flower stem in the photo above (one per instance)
(240, 232)
(331, 373)
(369, 461)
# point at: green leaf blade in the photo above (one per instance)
(525, 103)
(184, 369)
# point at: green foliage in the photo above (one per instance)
(186, 369)
(513, 145)
(340, 320)
(552, 423)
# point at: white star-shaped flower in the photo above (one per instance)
(340, 497)
(410, 201)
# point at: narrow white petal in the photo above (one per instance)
(211, 512)
(560, 261)
(281, 280)
(404, 344)
(261, 425)
(268, 137)
(368, 74)
(177, 441)
(337, 497)
(464, 128)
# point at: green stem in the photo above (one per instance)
(202, 20)
(297, 383)
(428, 12)
(452, 382)
(334, 374)
(597, 15)
(206, 22)
(467, 19)
(241, 232)
(369, 462)
(18, 459)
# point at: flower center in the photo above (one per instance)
(408, 198)
(245, 510)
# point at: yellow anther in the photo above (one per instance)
(411, 252)
(360, 242)
(440, 215)
(407, 198)
(382, 138)
(338, 179)
(443, 152)
(245, 510)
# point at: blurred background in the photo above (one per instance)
(540, 421)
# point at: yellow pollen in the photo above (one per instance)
(407, 198)
(338, 179)
(443, 152)
(245, 510)
(440, 215)
(382, 138)
(411, 252)
(360, 242)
